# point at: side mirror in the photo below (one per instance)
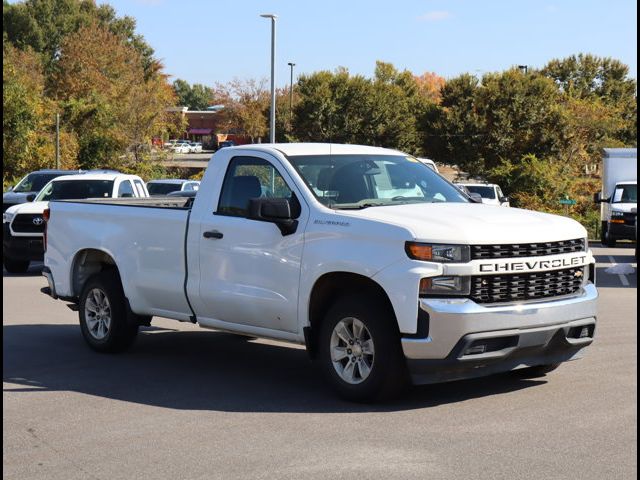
(274, 210)
(475, 197)
(597, 197)
(31, 197)
(504, 199)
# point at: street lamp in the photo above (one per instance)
(272, 122)
(291, 96)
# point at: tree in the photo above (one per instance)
(28, 117)
(505, 117)
(101, 87)
(196, 97)
(339, 107)
(43, 24)
(246, 106)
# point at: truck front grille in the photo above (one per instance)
(483, 252)
(526, 286)
(28, 223)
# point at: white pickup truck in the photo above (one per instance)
(383, 269)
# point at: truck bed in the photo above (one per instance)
(145, 237)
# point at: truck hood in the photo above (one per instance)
(624, 207)
(465, 223)
(31, 207)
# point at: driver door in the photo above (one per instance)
(249, 270)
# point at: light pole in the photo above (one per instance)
(272, 122)
(58, 141)
(291, 96)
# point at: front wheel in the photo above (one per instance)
(103, 314)
(360, 352)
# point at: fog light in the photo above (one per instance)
(584, 333)
(476, 349)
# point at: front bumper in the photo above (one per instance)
(514, 336)
(21, 248)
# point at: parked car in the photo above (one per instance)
(181, 147)
(383, 269)
(23, 225)
(166, 186)
(490, 192)
(226, 143)
(170, 144)
(196, 147)
(27, 188)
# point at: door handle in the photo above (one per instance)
(213, 234)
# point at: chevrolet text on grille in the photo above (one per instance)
(501, 267)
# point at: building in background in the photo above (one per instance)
(207, 127)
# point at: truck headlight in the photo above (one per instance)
(438, 253)
(444, 286)
(7, 217)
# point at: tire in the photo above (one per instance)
(106, 326)
(608, 240)
(535, 372)
(381, 372)
(15, 266)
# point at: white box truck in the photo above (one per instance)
(619, 195)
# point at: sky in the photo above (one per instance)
(218, 40)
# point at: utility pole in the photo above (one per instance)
(291, 97)
(57, 141)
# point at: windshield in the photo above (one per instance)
(34, 182)
(162, 188)
(626, 194)
(360, 181)
(482, 190)
(76, 190)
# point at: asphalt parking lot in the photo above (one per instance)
(197, 404)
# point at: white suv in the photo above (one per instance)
(490, 192)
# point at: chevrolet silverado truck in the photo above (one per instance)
(383, 269)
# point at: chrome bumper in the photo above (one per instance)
(452, 320)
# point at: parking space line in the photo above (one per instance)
(623, 278)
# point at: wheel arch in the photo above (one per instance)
(327, 289)
(86, 263)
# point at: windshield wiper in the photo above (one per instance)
(362, 206)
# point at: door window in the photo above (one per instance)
(247, 178)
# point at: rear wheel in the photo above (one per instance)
(537, 371)
(15, 266)
(360, 352)
(104, 322)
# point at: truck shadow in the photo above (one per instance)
(200, 371)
